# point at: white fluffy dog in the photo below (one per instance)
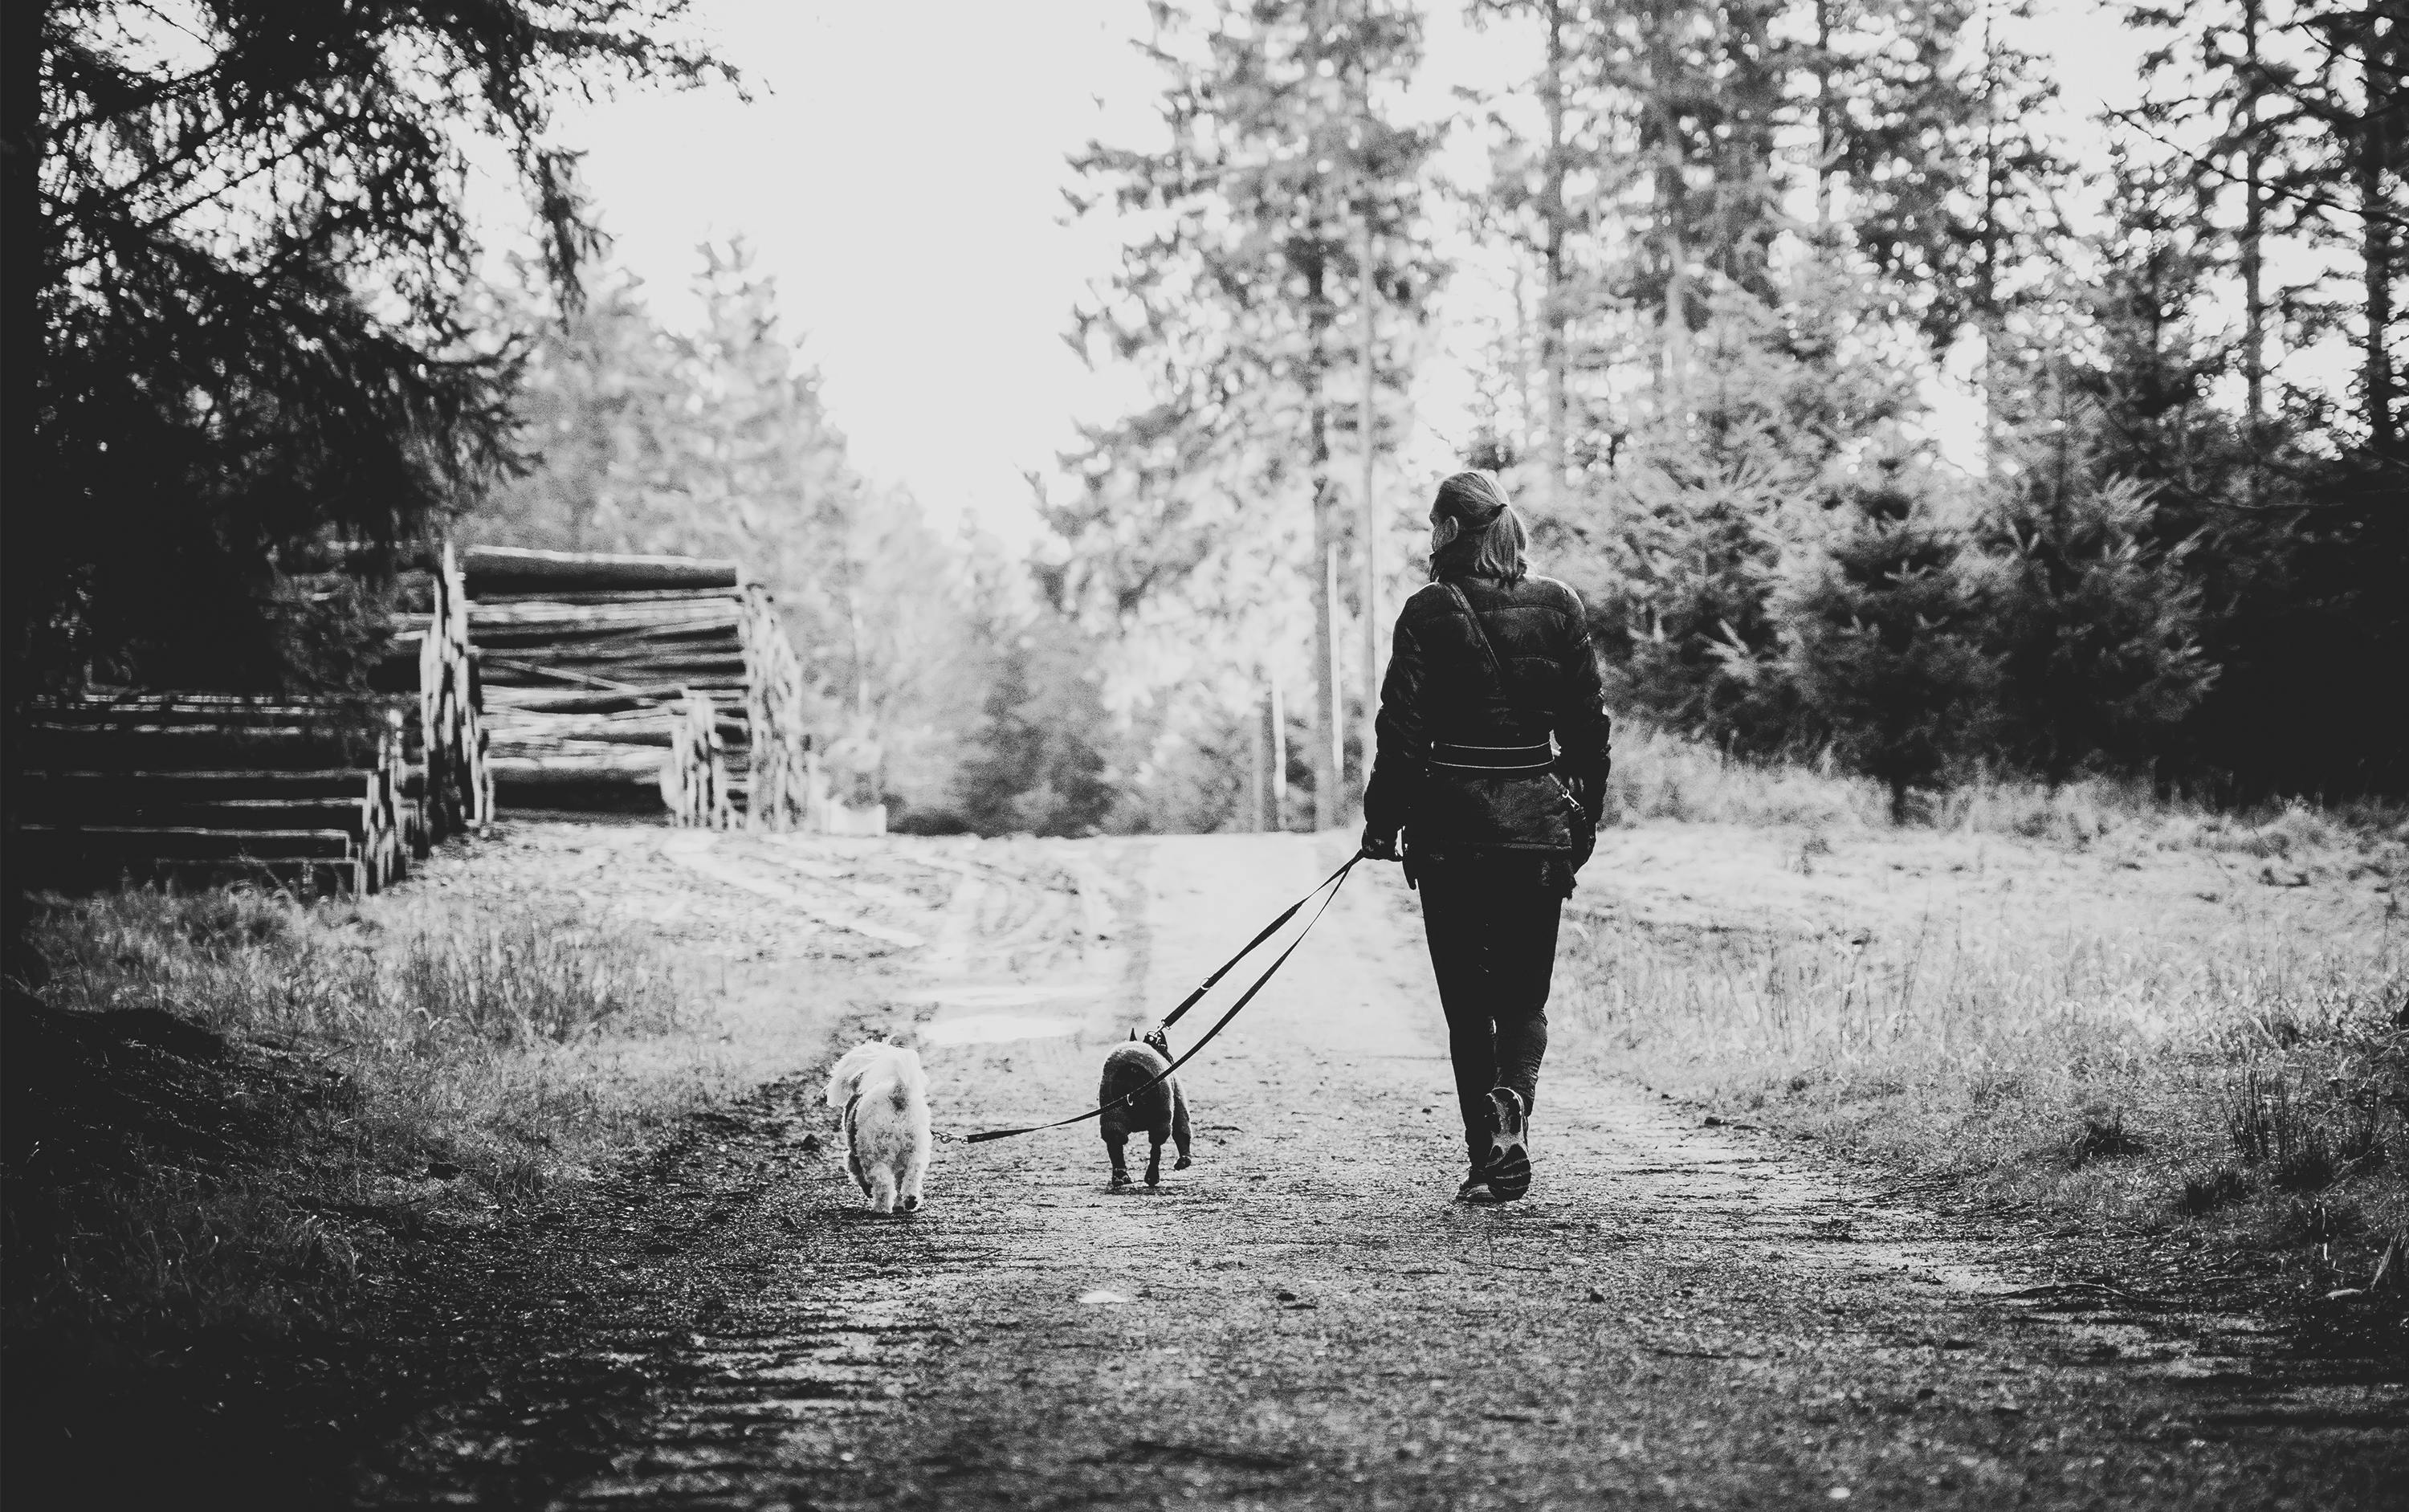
(884, 1095)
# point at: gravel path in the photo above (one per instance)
(1679, 1315)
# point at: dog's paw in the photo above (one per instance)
(1182, 1163)
(910, 1204)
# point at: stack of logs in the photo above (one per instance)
(317, 794)
(559, 677)
(609, 678)
(313, 795)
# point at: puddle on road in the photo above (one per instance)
(995, 1029)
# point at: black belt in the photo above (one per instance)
(1454, 758)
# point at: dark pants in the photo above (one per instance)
(1492, 945)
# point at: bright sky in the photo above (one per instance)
(899, 171)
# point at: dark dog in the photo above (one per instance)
(1161, 1110)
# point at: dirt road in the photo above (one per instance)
(1679, 1315)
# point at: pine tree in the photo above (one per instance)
(1035, 765)
(1277, 166)
(1951, 184)
(2095, 624)
(1686, 624)
(2353, 180)
(1704, 511)
(599, 392)
(1551, 199)
(240, 252)
(1884, 628)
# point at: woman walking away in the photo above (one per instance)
(1490, 662)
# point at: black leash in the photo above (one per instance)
(1333, 883)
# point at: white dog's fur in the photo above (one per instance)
(884, 1095)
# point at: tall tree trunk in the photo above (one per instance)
(24, 251)
(1532, 424)
(1323, 239)
(1677, 318)
(1670, 193)
(1824, 154)
(1554, 318)
(2254, 227)
(1326, 661)
(1986, 291)
(2377, 250)
(1367, 426)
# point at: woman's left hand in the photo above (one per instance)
(1380, 847)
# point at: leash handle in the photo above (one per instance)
(1333, 882)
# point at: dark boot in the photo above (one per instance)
(1508, 1170)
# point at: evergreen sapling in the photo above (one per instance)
(1885, 630)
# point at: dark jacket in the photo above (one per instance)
(1441, 686)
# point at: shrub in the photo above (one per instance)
(2272, 1128)
(1883, 629)
(2100, 1135)
(2205, 1191)
(2094, 625)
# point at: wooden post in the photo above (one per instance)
(1280, 758)
(1328, 806)
(1258, 779)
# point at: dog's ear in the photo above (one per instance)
(1133, 1034)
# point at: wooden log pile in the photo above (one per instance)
(315, 795)
(318, 793)
(620, 681)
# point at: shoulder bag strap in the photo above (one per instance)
(1496, 668)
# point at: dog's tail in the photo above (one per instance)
(845, 1079)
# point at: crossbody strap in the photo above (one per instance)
(1496, 668)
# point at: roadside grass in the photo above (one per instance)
(2075, 1045)
(1659, 775)
(254, 1149)
(222, 1098)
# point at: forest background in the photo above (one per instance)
(1741, 247)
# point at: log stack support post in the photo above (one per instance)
(694, 776)
(779, 785)
(458, 784)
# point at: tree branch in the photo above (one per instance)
(2303, 196)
